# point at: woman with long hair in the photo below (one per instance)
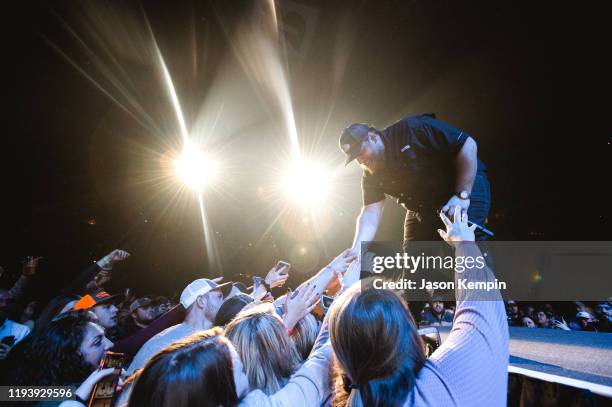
(201, 370)
(377, 347)
(206, 370)
(267, 353)
(380, 356)
(305, 334)
(68, 351)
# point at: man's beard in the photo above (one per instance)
(379, 163)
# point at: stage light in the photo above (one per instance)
(195, 168)
(307, 183)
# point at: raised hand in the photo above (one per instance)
(342, 261)
(561, 324)
(301, 305)
(277, 276)
(457, 230)
(116, 255)
(85, 389)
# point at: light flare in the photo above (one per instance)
(196, 169)
(307, 183)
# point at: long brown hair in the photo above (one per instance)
(377, 347)
(196, 371)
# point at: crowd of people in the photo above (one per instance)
(595, 318)
(226, 344)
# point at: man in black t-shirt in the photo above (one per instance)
(426, 165)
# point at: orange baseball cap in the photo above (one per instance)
(97, 298)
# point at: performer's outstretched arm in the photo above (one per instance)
(367, 224)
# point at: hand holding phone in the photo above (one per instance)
(104, 390)
(277, 277)
(259, 289)
(326, 302)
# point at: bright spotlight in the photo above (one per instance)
(307, 183)
(195, 169)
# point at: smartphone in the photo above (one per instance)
(282, 264)
(326, 301)
(431, 339)
(257, 281)
(103, 393)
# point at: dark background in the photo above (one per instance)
(529, 81)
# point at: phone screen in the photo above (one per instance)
(281, 264)
(104, 391)
(326, 301)
(257, 282)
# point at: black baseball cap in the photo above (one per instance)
(351, 139)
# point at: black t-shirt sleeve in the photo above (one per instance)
(371, 193)
(437, 136)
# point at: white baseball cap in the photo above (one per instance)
(199, 287)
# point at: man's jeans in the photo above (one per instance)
(423, 226)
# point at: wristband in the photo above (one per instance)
(105, 263)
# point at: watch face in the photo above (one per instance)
(463, 195)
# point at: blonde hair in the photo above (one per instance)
(304, 335)
(268, 355)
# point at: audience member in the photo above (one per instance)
(231, 307)
(469, 368)
(514, 315)
(103, 305)
(68, 351)
(202, 299)
(528, 322)
(304, 335)
(542, 320)
(436, 314)
(268, 355)
(11, 332)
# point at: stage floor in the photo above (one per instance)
(577, 356)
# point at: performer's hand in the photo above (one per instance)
(455, 201)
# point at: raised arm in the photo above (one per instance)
(475, 354)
